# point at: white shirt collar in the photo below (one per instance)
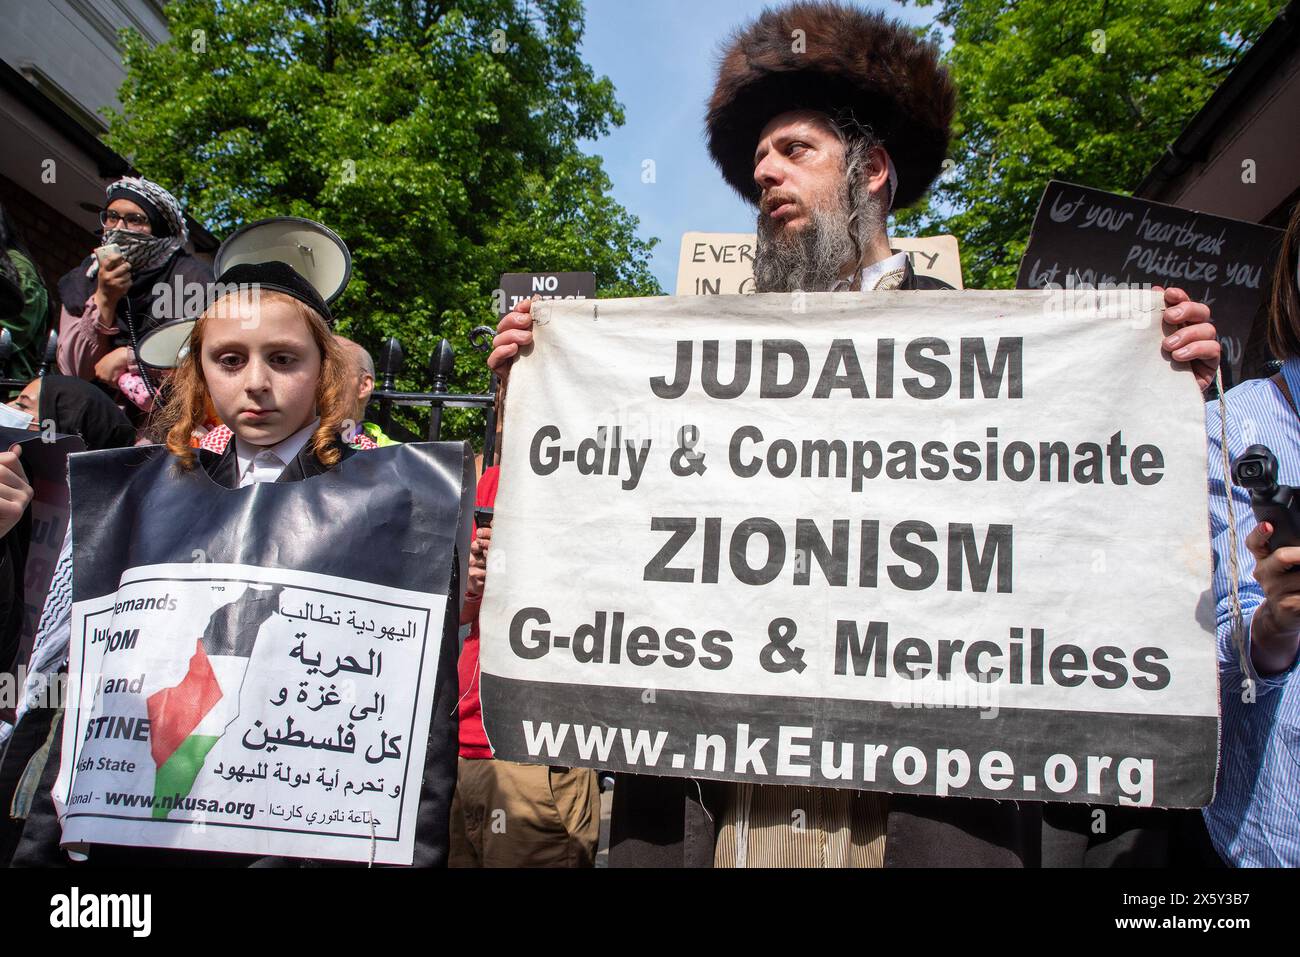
(872, 274)
(285, 451)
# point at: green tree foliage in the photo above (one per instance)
(438, 139)
(1090, 91)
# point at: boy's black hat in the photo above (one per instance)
(276, 277)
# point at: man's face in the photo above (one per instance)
(365, 387)
(799, 166)
(805, 228)
(362, 378)
(261, 365)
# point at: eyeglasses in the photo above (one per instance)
(111, 218)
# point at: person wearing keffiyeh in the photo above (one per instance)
(108, 306)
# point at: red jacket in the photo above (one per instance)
(473, 740)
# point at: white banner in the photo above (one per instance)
(234, 708)
(938, 542)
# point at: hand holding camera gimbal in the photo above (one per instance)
(1275, 544)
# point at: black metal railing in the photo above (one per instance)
(383, 400)
(441, 365)
(49, 361)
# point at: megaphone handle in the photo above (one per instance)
(135, 351)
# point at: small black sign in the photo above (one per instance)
(1088, 238)
(519, 286)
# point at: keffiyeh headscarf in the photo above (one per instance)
(165, 218)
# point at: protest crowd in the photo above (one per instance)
(254, 445)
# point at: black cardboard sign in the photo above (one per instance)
(519, 286)
(1088, 238)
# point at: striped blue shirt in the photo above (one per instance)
(1254, 820)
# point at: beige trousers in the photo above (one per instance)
(523, 815)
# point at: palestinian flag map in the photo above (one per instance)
(187, 720)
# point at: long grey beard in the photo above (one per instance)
(813, 259)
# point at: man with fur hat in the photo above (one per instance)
(826, 118)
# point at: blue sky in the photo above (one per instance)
(661, 56)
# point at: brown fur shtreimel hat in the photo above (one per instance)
(845, 60)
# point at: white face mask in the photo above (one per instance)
(12, 418)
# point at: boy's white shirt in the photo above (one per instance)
(265, 463)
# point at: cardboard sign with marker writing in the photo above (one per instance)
(721, 264)
(1090, 239)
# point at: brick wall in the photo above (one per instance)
(56, 242)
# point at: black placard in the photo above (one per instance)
(1088, 238)
(519, 286)
(45, 463)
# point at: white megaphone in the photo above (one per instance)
(314, 251)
